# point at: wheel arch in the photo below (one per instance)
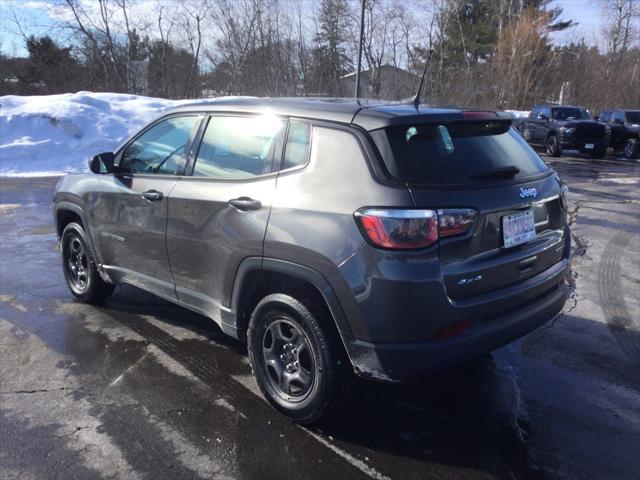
(257, 277)
(67, 212)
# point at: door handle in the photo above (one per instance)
(152, 195)
(245, 203)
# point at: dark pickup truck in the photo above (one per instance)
(622, 130)
(564, 127)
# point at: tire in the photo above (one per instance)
(297, 361)
(553, 146)
(79, 267)
(632, 148)
(598, 152)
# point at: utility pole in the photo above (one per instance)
(360, 50)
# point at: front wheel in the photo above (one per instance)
(79, 267)
(632, 148)
(553, 146)
(295, 359)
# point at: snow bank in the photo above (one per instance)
(518, 113)
(54, 134)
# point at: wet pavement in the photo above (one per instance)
(140, 388)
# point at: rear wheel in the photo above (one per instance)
(79, 267)
(295, 359)
(553, 146)
(632, 148)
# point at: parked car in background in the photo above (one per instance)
(622, 130)
(555, 128)
(386, 241)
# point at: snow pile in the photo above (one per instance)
(53, 134)
(518, 113)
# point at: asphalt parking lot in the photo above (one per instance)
(143, 389)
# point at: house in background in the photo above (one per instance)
(384, 82)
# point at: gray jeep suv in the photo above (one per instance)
(333, 237)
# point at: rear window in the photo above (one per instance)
(457, 153)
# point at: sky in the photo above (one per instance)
(36, 18)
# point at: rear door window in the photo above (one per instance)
(237, 148)
(605, 117)
(457, 153)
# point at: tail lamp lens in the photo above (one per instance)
(399, 229)
(455, 221)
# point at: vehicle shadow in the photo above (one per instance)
(472, 417)
(463, 416)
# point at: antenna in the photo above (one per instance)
(360, 52)
(416, 99)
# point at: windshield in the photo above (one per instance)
(456, 153)
(633, 116)
(569, 113)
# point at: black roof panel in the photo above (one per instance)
(369, 114)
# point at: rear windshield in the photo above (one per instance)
(569, 114)
(457, 153)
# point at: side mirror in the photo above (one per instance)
(102, 163)
(542, 116)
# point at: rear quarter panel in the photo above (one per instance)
(312, 221)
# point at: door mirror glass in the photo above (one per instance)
(102, 163)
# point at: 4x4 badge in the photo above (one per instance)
(528, 192)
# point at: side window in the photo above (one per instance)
(236, 148)
(546, 111)
(534, 113)
(298, 145)
(605, 117)
(161, 149)
(618, 115)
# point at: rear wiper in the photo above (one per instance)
(505, 172)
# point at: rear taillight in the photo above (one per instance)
(401, 229)
(455, 221)
(398, 229)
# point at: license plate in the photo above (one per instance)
(589, 146)
(518, 228)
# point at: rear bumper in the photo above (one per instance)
(394, 362)
(495, 318)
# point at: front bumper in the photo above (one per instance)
(570, 142)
